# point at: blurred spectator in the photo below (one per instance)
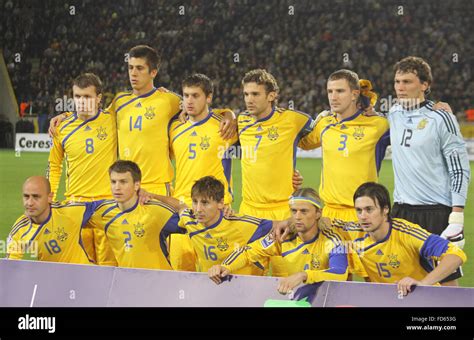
(226, 39)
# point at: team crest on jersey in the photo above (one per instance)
(267, 241)
(205, 143)
(101, 133)
(139, 230)
(61, 234)
(150, 112)
(358, 133)
(315, 262)
(422, 124)
(394, 263)
(273, 133)
(222, 244)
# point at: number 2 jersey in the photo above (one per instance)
(137, 236)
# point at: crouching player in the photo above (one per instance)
(213, 235)
(312, 255)
(391, 249)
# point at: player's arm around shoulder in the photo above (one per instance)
(312, 140)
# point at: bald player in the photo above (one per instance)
(49, 231)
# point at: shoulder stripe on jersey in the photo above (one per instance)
(248, 217)
(403, 225)
(422, 238)
(218, 117)
(18, 226)
(333, 234)
(447, 118)
(332, 237)
(109, 210)
(161, 204)
(135, 99)
(67, 124)
(123, 95)
(240, 219)
(231, 258)
(106, 202)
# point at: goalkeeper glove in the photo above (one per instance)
(454, 231)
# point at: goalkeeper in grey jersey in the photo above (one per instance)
(429, 158)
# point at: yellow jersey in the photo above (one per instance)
(398, 254)
(268, 153)
(142, 123)
(352, 152)
(200, 151)
(214, 243)
(322, 258)
(137, 236)
(58, 239)
(89, 148)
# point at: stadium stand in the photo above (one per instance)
(300, 49)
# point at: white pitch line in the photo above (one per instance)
(33, 297)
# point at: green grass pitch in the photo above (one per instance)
(15, 168)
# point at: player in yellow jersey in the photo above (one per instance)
(136, 233)
(214, 235)
(196, 144)
(87, 140)
(199, 150)
(142, 118)
(352, 144)
(48, 231)
(391, 249)
(268, 138)
(310, 256)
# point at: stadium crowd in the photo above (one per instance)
(56, 41)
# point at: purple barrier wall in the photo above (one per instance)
(45, 284)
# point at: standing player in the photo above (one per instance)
(142, 118)
(353, 145)
(52, 230)
(268, 137)
(199, 150)
(429, 158)
(87, 139)
(310, 256)
(391, 249)
(136, 233)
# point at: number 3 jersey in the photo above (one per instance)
(58, 239)
(398, 254)
(352, 152)
(215, 242)
(89, 148)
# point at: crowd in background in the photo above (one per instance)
(47, 43)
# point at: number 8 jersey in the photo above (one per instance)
(90, 148)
